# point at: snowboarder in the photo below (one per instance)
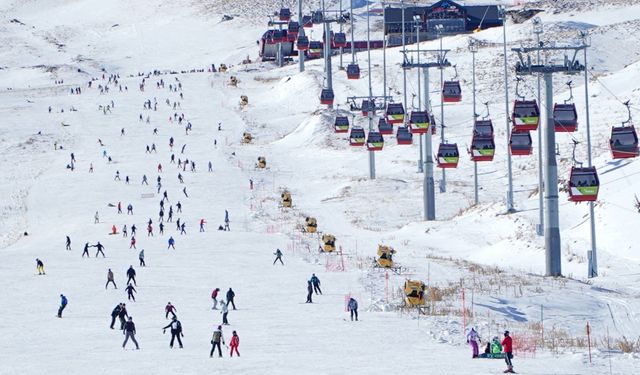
(131, 274)
(68, 243)
(352, 306)
(230, 296)
(63, 304)
(100, 249)
(114, 314)
(507, 347)
(40, 267)
(278, 255)
(141, 258)
(176, 331)
(235, 342)
(472, 339)
(130, 290)
(171, 243)
(110, 280)
(170, 309)
(316, 283)
(225, 312)
(309, 292)
(129, 331)
(214, 297)
(215, 341)
(86, 250)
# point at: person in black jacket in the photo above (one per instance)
(114, 314)
(129, 331)
(122, 314)
(176, 331)
(131, 273)
(230, 296)
(309, 292)
(130, 290)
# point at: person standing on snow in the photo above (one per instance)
(96, 218)
(176, 331)
(214, 297)
(141, 258)
(309, 292)
(171, 243)
(129, 331)
(352, 306)
(110, 280)
(507, 347)
(114, 314)
(316, 283)
(122, 314)
(230, 297)
(131, 274)
(63, 304)
(278, 255)
(68, 247)
(226, 220)
(133, 242)
(216, 339)
(473, 339)
(130, 290)
(40, 267)
(235, 342)
(86, 250)
(100, 249)
(130, 209)
(170, 309)
(202, 222)
(225, 312)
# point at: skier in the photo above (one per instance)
(144, 180)
(214, 297)
(119, 207)
(86, 250)
(131, 273)
(176, 331)
(68, 243)
(96, 218)
(171, 243)
(114, 314)
(110, 280)
(149, 230)
(472, 339)
(316, 283)
(130, 290)
(129, 331)
(230, 296)
(161, 228)
(278, 255)
(122, 314)
(226, 220)
(63, 304)
(210, 167)
(40, 267)
(352, 306)
(170, 309)
(235, 342)
(184, 190)
(182, 229)
(100, 249)
(117, 177)
(130, 209)
(507, 347)
(133, 230)
(141, 258)
(215, 341)
(202, 222)
(178, 206)
(124, 231)
(309, 292)
(224, 312)
(133, 242)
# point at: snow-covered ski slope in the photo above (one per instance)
(45, 41)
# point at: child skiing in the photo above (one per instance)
(170, 309)
(214, 297)
(235, 342)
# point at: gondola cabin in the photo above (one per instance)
(583, 184)
(624, 142)
(482, 148)
(307, 22)
(375, 141)
(357, 137)
(414, 293)
(520, 143)
(339, 40)
(368, 106)
(292, 30)
(395, 113)
(302, 44)
(315, 49)
(483, 128)
(284, 14)
(329, 243)
(419, 122)
(525, 115)
(565, 118)
(448, 155)
(404, 136)
(451, 92)
(277, 36)
(384, 127)
(353, 71)
(326, 97)
(311, 224)
(385, 256)
(341, 124)
(317, 17)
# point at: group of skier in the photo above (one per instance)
(494, 349)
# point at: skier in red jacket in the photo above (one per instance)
(214, 297)
(507, 347)
(235, 342)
